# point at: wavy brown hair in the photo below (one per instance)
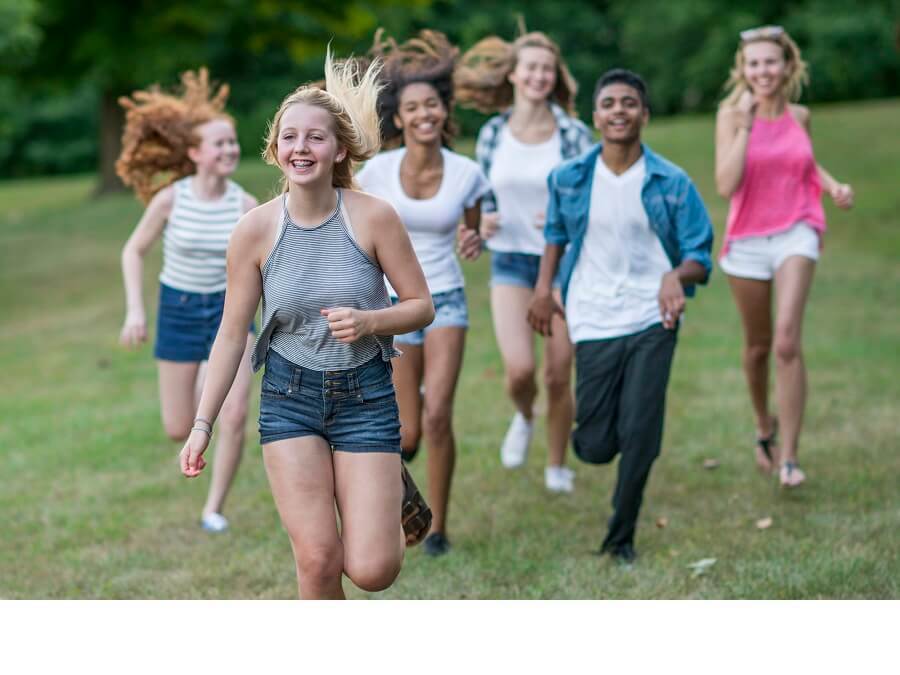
(429, 58)
(482, 76)
(350, 96)
(160, 127)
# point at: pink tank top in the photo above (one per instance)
(780, 186)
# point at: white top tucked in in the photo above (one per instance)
(615, 283)
(519, 179)
(432, 222)
(196, 236)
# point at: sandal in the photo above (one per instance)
(764, 446)
(791, 475)
(415, 514)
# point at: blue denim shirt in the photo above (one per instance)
(674, 208)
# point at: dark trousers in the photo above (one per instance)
(620, 399)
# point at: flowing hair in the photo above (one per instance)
(161, 127)
(351, 99)
(482, 77)
(797, 70)
(429, 58)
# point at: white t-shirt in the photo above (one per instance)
(432, 222)
(519, 179)
(615, 284)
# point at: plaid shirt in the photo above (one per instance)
(575, 138)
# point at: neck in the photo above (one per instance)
(208, 186)
(619, 157)
(526, 112)
(310, 204)
(421, 156)
(770, 106)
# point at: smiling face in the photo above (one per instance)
(619, 114)
(307, 148)
(534, 76)
(765, 69)
(218, 152)
(421, 114)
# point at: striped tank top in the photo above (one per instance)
(196, 237)
(310, 269)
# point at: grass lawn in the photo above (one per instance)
(94, 507)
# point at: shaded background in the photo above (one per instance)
(63, 64)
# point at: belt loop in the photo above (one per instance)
(296, 378)
(353, 381)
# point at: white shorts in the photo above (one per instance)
(759, 257)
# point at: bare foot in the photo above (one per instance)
(765, 447)
(791, 475)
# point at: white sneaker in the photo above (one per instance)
(214, 522)
(559, 479)
(514, 450)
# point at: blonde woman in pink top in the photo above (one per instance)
(765, 166)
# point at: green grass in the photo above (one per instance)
(93, 505)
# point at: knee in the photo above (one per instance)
(558, 382)
(437, 423)
(319, 566)
(177, 430)
(519, 378)
(233, 418)
(758, 353)
(595, 448)
(373, 573)
(787, 348)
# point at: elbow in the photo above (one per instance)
(428, 313)
(724, 186)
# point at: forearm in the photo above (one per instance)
(132, 274)
(690, 272)
(224, 360)
(828, 181)
(404, 317)
(549, 265)
(730, 169)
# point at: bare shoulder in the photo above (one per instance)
(255, 231)
(800, 113)
(368, 211)
(249, 202)
(162, 202)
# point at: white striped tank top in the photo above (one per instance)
(196, 237)
(310, 269)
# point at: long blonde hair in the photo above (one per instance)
(161, 127)
(797, 70)
(352, 101)
(481, 80)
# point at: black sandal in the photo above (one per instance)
(415, 514)
(766, 443)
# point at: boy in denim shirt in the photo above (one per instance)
(631, 237)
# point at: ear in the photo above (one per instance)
(645, 116)
(398, 122)
(340, 156)
(193, 153)
(596, 117)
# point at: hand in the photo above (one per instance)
(746, 109)
(671, 299)
(191, 456)
(540, 313)
(134, 330)
(348, 324)
(539, 219)
(842, 194)
(490, 223)
(468, 243)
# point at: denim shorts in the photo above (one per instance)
(450, 310)
(516, 269)
(187, 323)
(354, 410)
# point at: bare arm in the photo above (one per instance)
(241, 300)
(732, 134)
(468, 234)
(841, 193)
(148, 230)
(543, 306)
(671, 290)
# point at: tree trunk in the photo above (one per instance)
(112, 119)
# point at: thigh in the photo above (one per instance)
(644, 381)
(599, 367)
(443, 362)
(301, 475)
(753, 298)
(177, 382)
(557, 348)
(793, 280)
(369, 494)
(515, 337)
(407, 380)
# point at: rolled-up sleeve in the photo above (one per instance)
(695, 230)
(554, 227)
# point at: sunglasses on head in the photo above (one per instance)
(761, 33)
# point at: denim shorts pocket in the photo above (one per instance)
(278, 381)
(376, 387)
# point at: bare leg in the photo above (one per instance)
(177, 381)
(301, 476)
(369, 494)
(509, 307)
(443, 360)
(753, 298)
(792, 283)
(558, 378)
(231, 427)
(407, 379)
